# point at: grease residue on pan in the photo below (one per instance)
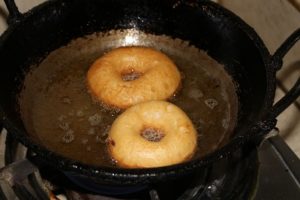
(58, 111)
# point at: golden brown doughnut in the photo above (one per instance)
(152, 134)
(129, 75)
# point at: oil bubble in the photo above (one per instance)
(195, 94)
(225, 123)
(95, 119)
(64, 126)
(66, 100)
(84, 141)
(68, 137)
(101, 138)
(79, 113)
(61, 118)
(211, 103)
(106, 131)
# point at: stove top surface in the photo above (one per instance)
(279, 173)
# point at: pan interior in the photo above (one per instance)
(59, 113)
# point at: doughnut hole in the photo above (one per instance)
(152, 134)
(130, 74)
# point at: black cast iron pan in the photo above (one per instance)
(206, 25)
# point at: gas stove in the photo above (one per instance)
(271, 172)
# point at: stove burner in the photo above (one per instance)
(228, 179)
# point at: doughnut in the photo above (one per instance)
(126, 76)
(151, 134)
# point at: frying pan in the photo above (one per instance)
(224, 36)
